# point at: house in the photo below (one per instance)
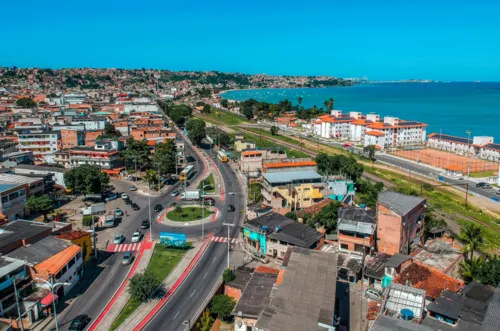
(380, 269)
(374, 138)
(20, 233)
(272, 234)
(399, 221)
(40, 143)
(252, 161)
(14, 192)
(235, 288)
(102, 155)
(304, 298)
(440, 255)
(341, 190)
(56, 174)
(80, 238)
(386, 323)
(401, 298)
(284, 165)
(256, 210)
(241, 145)
(356, 229)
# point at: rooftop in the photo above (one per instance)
(255, 296)
(401, 297)
(40, 251)
(402, 204)
(439, 255)
(386, 323)
(291, 176)
(41, 168)
(19, 230)
(305, 299)
(242, 275)
(492, 318)
(17, 179)
(8, 264)
(357, 220)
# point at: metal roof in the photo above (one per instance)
(401, 297)
(400, 203)
(492, 318)
(8, 264)
(386, 323)
(291, 176)
(255, 296)
(40, 251)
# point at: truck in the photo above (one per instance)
(96, 208)
(107, 221)
(191, 195)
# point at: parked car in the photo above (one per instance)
(145, 224)
(174, 193)
(374, 294)
(158, 207)
(231, 208)
(124, 196)
(127, 258)
(136, 237)
(135, 206)
(118, 212)
(128, 201)
(498, 192)
(111, 197)
(79, 323)
(119, 239)
(132, 188)
(483, 185)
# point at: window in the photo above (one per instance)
(14, 195)
(21, 193)
(344, 246)
(5, 199)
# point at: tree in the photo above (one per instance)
(224, 103)
(142, 286)
(473, 238)
(488, 272)
(228, 275)
(339, 165)
(206, 321)
(299, 101)
(274, 130)
(109, 130)
(328, 216)
(86, 179)
(291, 215)
(196, 130)
(151, 177)
(42, 204)
(87, 220)
(26, 103)
(370, 150)
(166, 157)
(331, 103)
(136, 153)
(470, 268)
(223, 305)
(177, 208)
(255, 192)
(206, 109)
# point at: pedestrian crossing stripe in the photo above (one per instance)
(124, 247)
(223, 240)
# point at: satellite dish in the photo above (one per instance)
(240, 313)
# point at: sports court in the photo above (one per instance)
(442, 159)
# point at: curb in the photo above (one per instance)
(173, 289)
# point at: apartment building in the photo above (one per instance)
(72, 138)
(286, 191)
(399, 133)
(90, 123)
(358, 127)
(458, 145)
(335, 125)
(375, 138)
(14, 192)
(356, 229)
(294, 164)
(102, 155)
(40, 144)
(490, 152)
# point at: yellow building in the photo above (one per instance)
(241, 145)
(80, 238)
(292, 190)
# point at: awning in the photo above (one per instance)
(49, 299)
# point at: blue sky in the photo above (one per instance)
(448, 40)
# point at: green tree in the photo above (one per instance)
(206, 109)
(26, 103)
(196, 130)
(136, 153)
(151, 177)
(470, 268)
(370, 150)
(331, 104)
(206, 321)
(255, 192)
(42, 204)
(87, 220)
(291, 215)
(142, 286)
(473, 238)
(328, 216)
(177, 208)
(166, 157)
(224, 103)
(488, 272)
(339, 165)
(228, 275)
(223, 305)
(86, 179)
(274, 130)
(109, 130)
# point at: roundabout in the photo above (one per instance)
(189, 215)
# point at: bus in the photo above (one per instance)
(222, 156)
(186, 173)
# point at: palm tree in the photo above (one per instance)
(469, 268)
(325, 104)
(299, 101)
(330, 104)
(177, 208)
(473, 238)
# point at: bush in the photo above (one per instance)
(223, 305)
(142, 286)
(228, 275)
(87, 220)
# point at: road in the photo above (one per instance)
(111, 273)
(189, 297)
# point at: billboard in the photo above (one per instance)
(171, 239)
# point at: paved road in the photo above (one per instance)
(190, 296)
(111, 273)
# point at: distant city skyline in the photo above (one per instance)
(389, 40)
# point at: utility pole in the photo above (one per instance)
(228, 241)
(149, 206)
(17, 303)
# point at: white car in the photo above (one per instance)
(136, 237)
(124, 196)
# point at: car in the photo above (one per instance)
(498, 192)
(110, 197)
(136, 237)
(209, 201)
(174, 193)
(231, 208)
(128, 202)
(118, 212)
(483, 185)
(158, 207)
(127, 258)
(135, 206)
(119, 238)
(132, 188)
(79, 322)
(124, 196)
(145, 224)
(374, 294)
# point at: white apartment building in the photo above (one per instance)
(74, 98)
(91, 124)
(335, 125)
(400, 133)
(140, 107)
(40, 143)
(457, 145)
(376, 138)
(490, 152)
(358, 127)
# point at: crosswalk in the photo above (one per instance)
(116, 248)
(223, 239)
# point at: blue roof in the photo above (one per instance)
(291, 176)
(5, 187)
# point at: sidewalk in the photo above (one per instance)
(140, 314)
(122, 300)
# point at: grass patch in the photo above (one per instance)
(188, 214)
(264, 143)
(208, 181)
(224, 118)
(482, 174)
(161, 265)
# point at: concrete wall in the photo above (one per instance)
(389, 230)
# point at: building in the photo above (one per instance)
(399, 133)
(56, 174)
(386, 323)
(341, 190)
(375, 138)
(241, 145)
(453, 144)
(80, 238)
(305, 295)
(380, 269)
(401, 297)
(490, 152)
(252, 161)
(20, 233)
(286, 191)
(235, 288)
(101, 155)
(440, 255)
(334, 125)
(400, 220)
(256, 210)
(90, 123)
(11, 160)
(72, 138)
(14, 192)
(272, 234)
(284, 165)
(40, 144)
(356, 229)
(358, 127)
(61, 158)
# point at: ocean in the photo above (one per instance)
(453, 108)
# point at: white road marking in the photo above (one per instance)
(205, 275)
(176, 314)
(192, 294)
(214, 259)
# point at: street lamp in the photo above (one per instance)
(228, 241)
(203, 210)
(52, 286)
